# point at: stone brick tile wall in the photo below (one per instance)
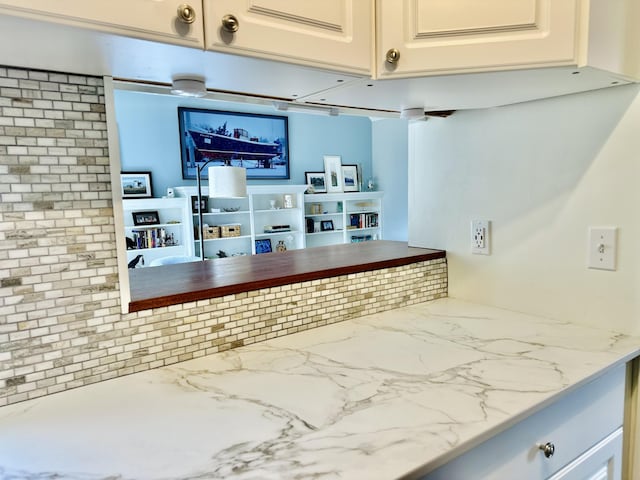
(60, 320)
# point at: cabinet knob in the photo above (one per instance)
(548, 449)
(393, 55)
(186, 13)
(230, 23)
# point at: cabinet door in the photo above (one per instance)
(335, 34)
(441, 36)
(157, 20)
(602, 462)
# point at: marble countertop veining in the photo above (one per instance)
(376, 398)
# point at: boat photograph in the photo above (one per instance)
(256, 142)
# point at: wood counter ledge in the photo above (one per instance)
(187, 282)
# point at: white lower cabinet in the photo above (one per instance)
(156, 228)
(584, 427)
(333, 218)
(269, 219)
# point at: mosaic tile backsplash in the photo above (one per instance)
(60, 320)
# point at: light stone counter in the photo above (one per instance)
(371, 398)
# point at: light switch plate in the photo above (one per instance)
(602, 248)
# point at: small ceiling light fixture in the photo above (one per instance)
(306, 108)
(412, 113)
(188, 87)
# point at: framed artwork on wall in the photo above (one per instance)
(316, 180)
(259, 143)
(333, 173)
(136, 184)
(350, 180)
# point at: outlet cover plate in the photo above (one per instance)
(480, 237)
(602, 248)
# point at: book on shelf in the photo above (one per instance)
(363, 220)
(152, 238)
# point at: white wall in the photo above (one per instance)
(542, 172)
(390, 140)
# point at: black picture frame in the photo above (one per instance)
(257, 142)
(136, 184)
(150, 217)
(204, 201)
(326, 225)
(263, 245)
(316, 180)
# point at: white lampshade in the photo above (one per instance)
(227, 182)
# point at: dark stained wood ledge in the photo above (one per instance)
(187, 282)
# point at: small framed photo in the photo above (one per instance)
(316, 180)
(204, 203)
(263, 245)
(350, 180)
(145, 218)
(326, 225)
(333, 173)
(136, 184)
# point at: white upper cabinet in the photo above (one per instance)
(167, 21)
(333, 34)
(440, 36)
(434, 37)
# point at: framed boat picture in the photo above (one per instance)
(259, 143)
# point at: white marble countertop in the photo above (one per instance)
(372, 398)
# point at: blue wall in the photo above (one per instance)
(149, 138)
(390, 167)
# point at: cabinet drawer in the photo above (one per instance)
(573, 424)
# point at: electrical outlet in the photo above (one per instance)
(480, 237)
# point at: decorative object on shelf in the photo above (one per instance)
(350, 178)
(145, 218)
(224, 182)
(326, 225)
(230, 230)
(287, 201)
(310, 225)
(134, 263)
(204, 203)
(136, 184)
(315, 208)
(316, 180)
(371, 184)
(277, 228)
(253, 141)
(333, 173)
(281, 247)
(211, 232)
(272, 202)
(230, 209)
(263, 245)
(131, 245)
(310, 190)
(171, 192)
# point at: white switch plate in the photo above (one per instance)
(480, 237)
(602, 248)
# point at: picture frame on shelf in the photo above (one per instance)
(145, 218)
(257, 142)
(204, 203)
(350, 180)
(326, 225)
(333, 173)
(136, 185)
(317, 181)
(263, 245)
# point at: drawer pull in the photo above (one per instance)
(548, 449)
